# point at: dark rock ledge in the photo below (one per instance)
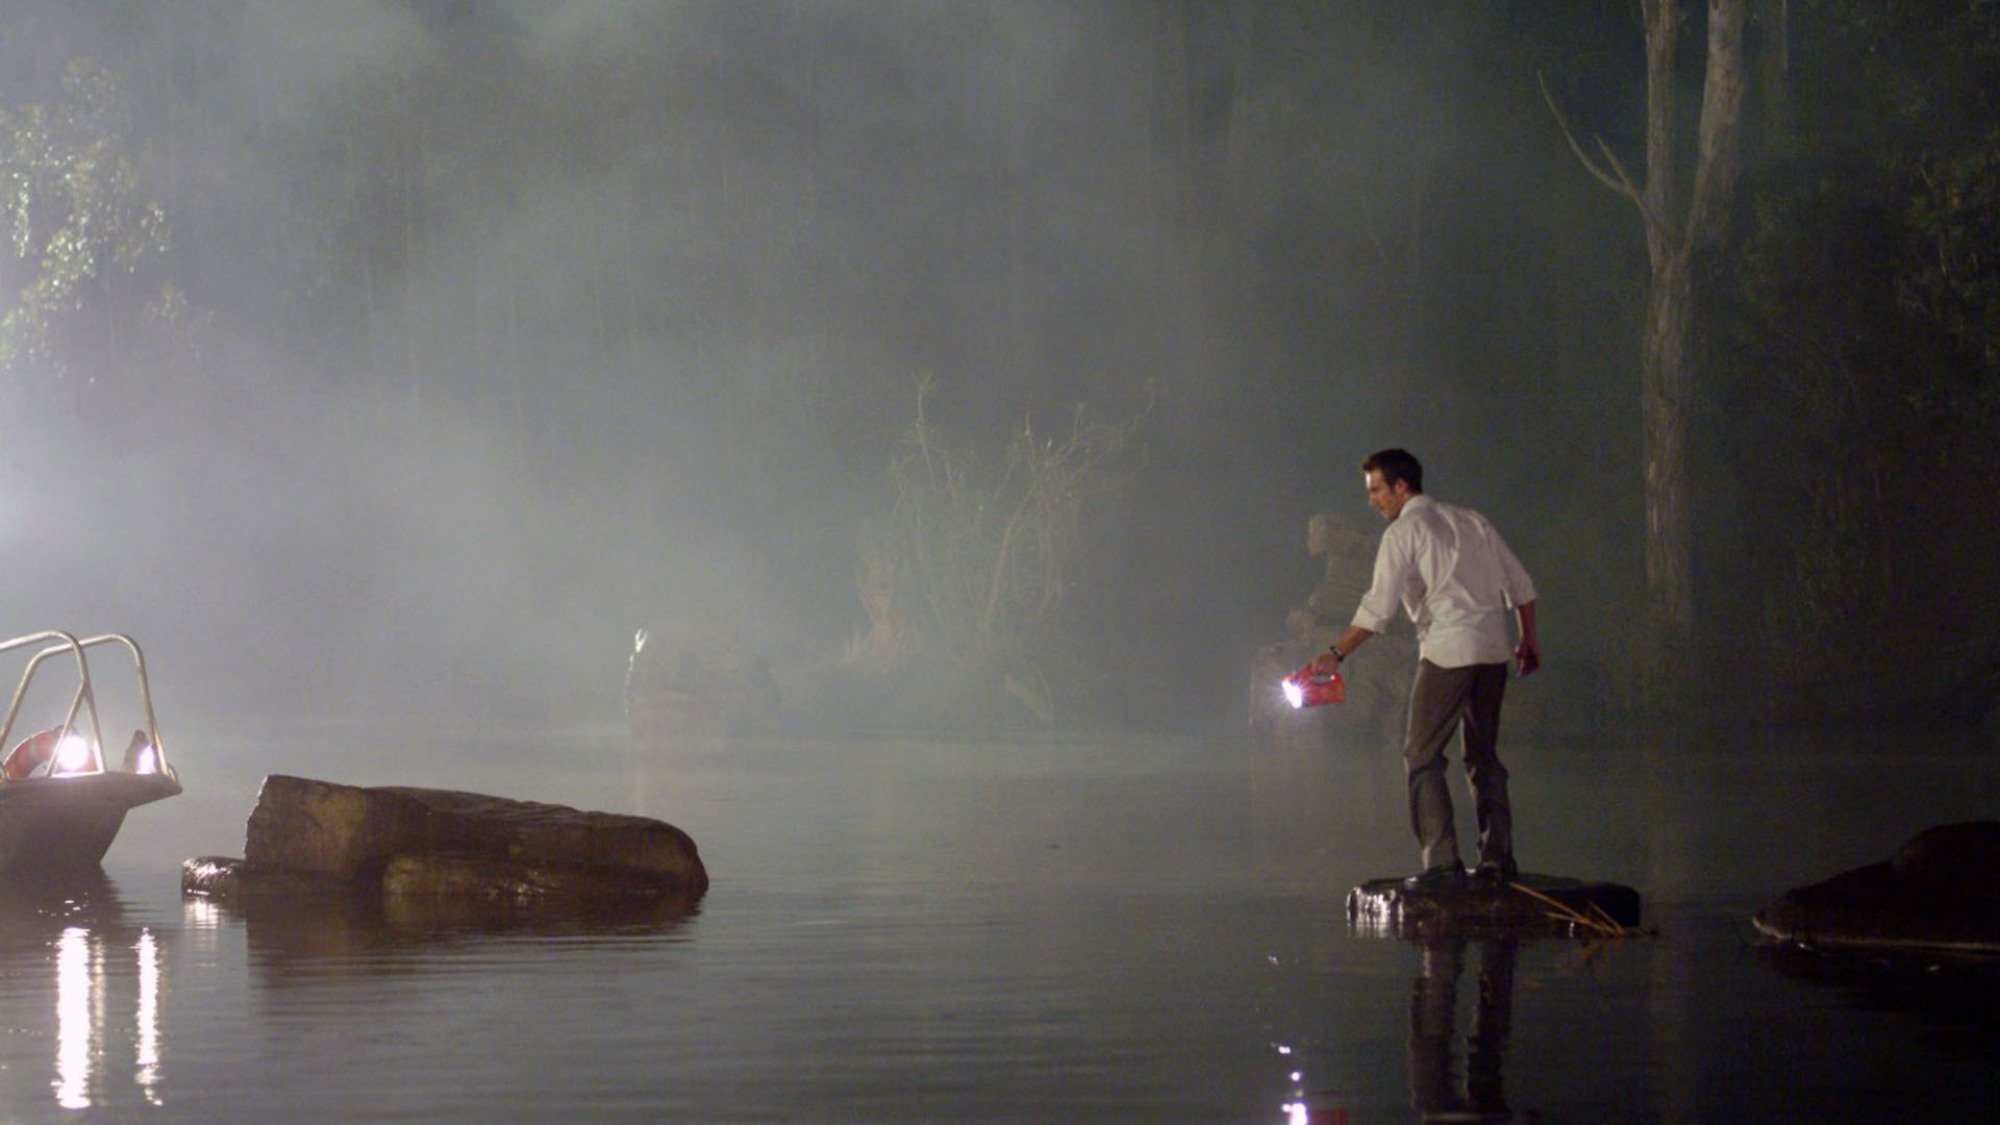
(399, 842)
(1480, 909)
(1940, 893)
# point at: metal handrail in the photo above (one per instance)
(85, 699)
(27, 674)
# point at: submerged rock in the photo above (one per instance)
(1479, 909)
(405, 842)
(1941, 891)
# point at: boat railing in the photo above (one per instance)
(83, 703)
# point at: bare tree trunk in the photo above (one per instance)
(1663, 361)
(1664, 379)
(1679, 243)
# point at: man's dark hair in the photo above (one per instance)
(1396, 465)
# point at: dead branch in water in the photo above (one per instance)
(1597, 923)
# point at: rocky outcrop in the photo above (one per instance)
(1941, 892)
(405, 843)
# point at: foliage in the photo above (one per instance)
(968, 573)
(1863, 334)
(1954, 212)
(76, 215)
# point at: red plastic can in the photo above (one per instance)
(1304, 688)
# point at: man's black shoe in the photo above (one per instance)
(1497, 871)
(1443, 877)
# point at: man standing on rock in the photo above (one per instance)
(1460, 584)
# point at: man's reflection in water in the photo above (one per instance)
(1434, 1091)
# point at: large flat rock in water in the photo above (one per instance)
(1479, 908)
(405, 841)
(1939, 893)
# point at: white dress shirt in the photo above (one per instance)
(1455, 577)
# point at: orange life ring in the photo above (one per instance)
(30, 753)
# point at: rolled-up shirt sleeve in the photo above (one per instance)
(1515, 585)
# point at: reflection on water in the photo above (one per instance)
(1435, 1087)
(1019, 930)
(107, 987)
(1708, 829)
(310, 930)
(1447, 1080)
(146, 1053)
(1951, 1002)
(77, 1029)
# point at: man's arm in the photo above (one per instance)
(1392, 566)
(1527, 654)
(1326, 662)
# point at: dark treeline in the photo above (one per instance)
(460, 340)
(1851, 429)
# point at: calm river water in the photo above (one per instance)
(1025, 929)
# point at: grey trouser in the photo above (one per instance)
(1442, 700)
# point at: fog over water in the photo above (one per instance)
(487, 333)
(514, 327)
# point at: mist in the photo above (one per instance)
(514, 328)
